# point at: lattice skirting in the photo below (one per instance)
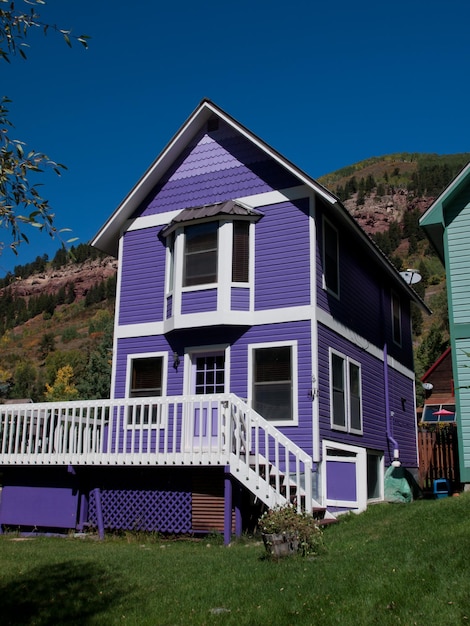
(143, 510)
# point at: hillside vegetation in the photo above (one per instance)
(56, 321)
(56, 316)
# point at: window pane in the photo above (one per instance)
(355, 397)
(200, 258)
(272, 383)
(146, 377)
(241, 249)
(272, 364)
(428, 413)
(338, 391)
(273, 401)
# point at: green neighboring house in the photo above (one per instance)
(447, 226)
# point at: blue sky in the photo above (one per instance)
(326, 85)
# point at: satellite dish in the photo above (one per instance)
(428, 386)
(411, 276)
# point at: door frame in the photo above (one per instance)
(190, 354)
(354, 456)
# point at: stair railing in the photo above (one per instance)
(272, 466)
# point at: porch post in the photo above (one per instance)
(83, 517)
(227, 507)
(99, 513)
(238, 513)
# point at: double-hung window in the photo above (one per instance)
(345, 394)
(330, 258)
(200, 254)
(274, 382)
(145, 381)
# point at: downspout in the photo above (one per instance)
(396, 452)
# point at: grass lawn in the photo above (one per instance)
(395, 564)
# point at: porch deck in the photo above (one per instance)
(164, 431)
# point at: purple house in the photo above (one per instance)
(262, 355)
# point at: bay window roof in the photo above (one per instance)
(229, 208)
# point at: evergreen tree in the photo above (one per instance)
(95, 384)
(24, 382)
(47, 345)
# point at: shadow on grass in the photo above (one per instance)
(70, 592)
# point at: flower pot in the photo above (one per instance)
(280, 544)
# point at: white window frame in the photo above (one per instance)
(347, 363)
(395, 298)
(176, 251)
(294, 377)
(147, 355)
(324, 259)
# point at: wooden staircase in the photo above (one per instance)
(272, 467)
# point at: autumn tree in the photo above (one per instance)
(63, 389)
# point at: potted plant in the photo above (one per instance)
(285, 532)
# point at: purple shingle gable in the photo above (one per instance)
(217, 167)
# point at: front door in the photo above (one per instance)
(207, 378)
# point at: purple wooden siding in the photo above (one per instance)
(292, 331)
(217, 166)
(136, 345)
(142, 278)
(282, 276)
(404, 419)
(373, 401)
(199, 301)
(240, 299)
(238, 384)
(364, 302)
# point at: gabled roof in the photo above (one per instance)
(433, 221)
(435, 365)
(108, 236)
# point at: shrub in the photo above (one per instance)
(300, 526)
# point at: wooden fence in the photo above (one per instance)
(438, 456)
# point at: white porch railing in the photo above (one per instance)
(181, 430)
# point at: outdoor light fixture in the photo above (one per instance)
(176, 360)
